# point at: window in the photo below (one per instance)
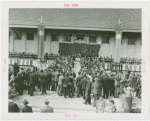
(68, 38)
(92, 39)
(30, 36)
(105, 39)
(54, 37)
(80, 37)
(131, 40)
(18, 35)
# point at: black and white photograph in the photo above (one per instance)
(75, 60)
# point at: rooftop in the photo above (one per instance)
(95, 19)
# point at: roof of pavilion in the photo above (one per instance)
(95, 19)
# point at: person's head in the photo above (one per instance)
(96, 79)
(25, 102)
(88, 79)
(46, 102)
(111, 101)
(67, 75)
(79, 72)
(84, 75)
(71, 74)
(42, 70)
(101, 98)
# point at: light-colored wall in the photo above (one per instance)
(19, 45)
(30, 46)
(54, 47)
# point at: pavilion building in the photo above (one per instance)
(117, 31)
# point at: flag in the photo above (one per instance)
(41, 42)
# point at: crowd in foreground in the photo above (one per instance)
(92, 82)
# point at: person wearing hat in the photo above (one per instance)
(44, 82)
(83, 85)
(26, 108)
(105, 82)
(78, 83)
(96, 90)
(47, 109)
(65, 82)
(60, 84)
(88, 92)
(31, 83)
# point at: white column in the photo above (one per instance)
(111, 46)
(24, 41)
(12, 42)
(138, 47)
(124, 47)
(99, 41)
(117, 52)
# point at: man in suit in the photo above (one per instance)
(96, 90)
(88, 92)
(78, 83)
(65, 81)
(44, 82)
(60, 84)
(83, 85)
(111, 85)
(70, 86)
(56, 79)
(20, 83)
(47, 109)
(15, 69)
(31, 83)
(49, 79)
(41, 76)
(105, 85)
(13, 107)
(26, 108)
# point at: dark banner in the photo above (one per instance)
(77, 48)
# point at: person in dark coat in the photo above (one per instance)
(26, 108)
(20, 83)
(65, 81)
(83, 86)
(105, 85)
(44, 82)
(78, 84)
(111, 85)
(96, 90)
(88, 92)
(47, 109)
(31, 83)
(41, 76)
(70, 86)
(49, 79)
(13, 107)
(16, 69)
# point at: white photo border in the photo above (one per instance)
(145, 6)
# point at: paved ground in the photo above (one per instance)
(61, 104)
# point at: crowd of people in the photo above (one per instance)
(92, 81)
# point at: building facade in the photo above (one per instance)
(116, 42)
